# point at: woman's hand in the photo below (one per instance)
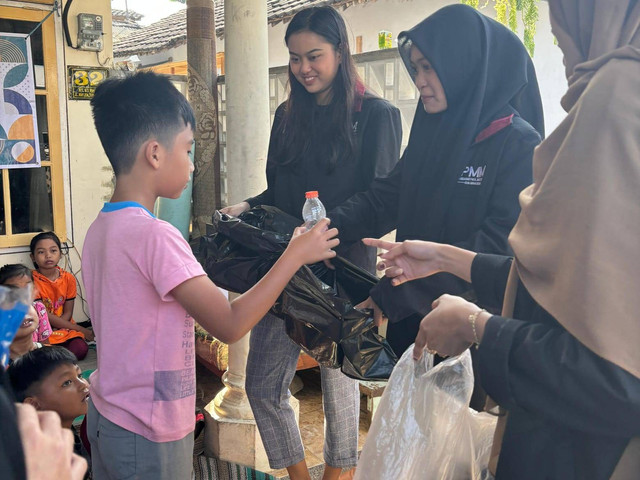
(378, 316)
(446, 330)
(235, 210)
(408, 260)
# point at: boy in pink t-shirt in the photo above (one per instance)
(145, 288)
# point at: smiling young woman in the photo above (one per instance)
(334, 136)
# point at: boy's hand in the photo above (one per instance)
(300, 230)
(408, 260)
(313, 245)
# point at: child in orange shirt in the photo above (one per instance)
(57, 289)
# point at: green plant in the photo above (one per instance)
(529, 19)
(507, 14)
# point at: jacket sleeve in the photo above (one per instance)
(489, 275)
(544, 370)
(372, 213)
(415, 297)
(515, 173)
(267, 197)
(360, 216)
(381, 141)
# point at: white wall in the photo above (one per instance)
(173, 55)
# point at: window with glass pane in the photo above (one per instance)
(32, 198)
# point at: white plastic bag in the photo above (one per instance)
(423, 428)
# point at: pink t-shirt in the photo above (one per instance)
(145, 380)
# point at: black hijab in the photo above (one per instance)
(486, 73)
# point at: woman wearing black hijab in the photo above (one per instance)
(476, 125)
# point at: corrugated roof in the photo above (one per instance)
(126, 15)
(171, 32)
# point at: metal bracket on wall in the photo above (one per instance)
(54, 9)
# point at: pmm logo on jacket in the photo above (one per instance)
(472, 175)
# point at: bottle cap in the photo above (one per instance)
(311, 194)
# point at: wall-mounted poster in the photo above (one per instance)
(18, 124)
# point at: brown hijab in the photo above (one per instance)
(577, 241)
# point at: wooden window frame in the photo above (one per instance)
(43, 2)
(54, 129)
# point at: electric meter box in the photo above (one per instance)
(90, 32)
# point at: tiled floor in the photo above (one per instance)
(311, 414)
(90, 362)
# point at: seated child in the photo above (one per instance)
(57, 289)
(50, 379)
(23, 342)
(20, 276)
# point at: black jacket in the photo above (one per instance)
(482, 212)
(378, 135)
(571, 412)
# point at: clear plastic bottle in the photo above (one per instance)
(313, 210)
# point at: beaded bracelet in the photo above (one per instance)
(472, 320)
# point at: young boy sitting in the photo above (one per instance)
(145, 288)
(49, 378)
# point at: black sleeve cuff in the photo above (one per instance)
(489, 275)
(257, 200)
(493, 359)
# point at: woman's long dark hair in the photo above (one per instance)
(300, 125)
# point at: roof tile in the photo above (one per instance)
(171, 32)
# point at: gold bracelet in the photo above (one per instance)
(472, 320)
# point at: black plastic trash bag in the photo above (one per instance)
(237, 251)
(317, 304)
(321, 318)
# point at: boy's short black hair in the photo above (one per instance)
(127, 112)
(13, 270)
(27, 371)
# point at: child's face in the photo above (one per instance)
(46, 254)
(29, 324)
(21, 282)
(64, 391)
(176, 165)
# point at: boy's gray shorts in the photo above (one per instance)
(118, 454)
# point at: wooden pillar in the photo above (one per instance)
(203, 96)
